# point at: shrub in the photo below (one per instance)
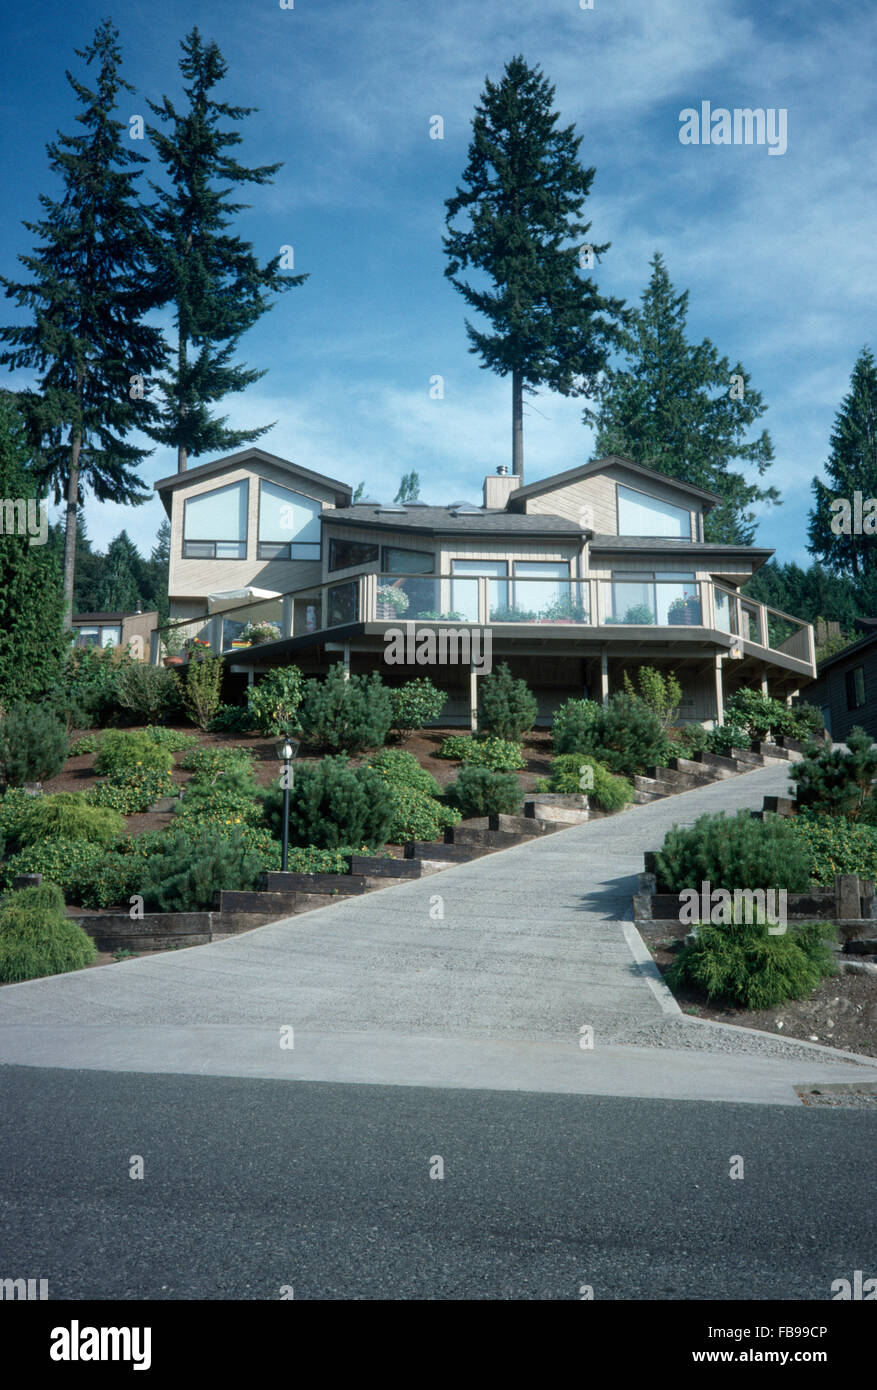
(206, 762)
(722, 740)
(606, 792)
(88, 743)
(232, 796)
(88, 689)
(836, 846)
(834, 781)
(307, 859)
(186, 871)
(480, 792)
(68, 816)
(148, 691)
(61, 861)
(33, 745)
(626, 736)
(174, 740)
(661, 693)
(756, 712)
(272, 705)
(347, 715)
(402, 769)
(232, 719)
(123, 749)
(200, 691)
(506, 706)
(37, 939)
(133, 790)
(14, 806)
(415, 704)
(418, 816)
(803, 722)
(573, 724)
(690, 738)
(746, 966)
(733, 852)
(498, 754)
(333, 804)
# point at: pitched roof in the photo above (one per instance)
(435, 521)
(585, 470)
(343, 491)
(606, 541)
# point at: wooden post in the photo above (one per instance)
(473, 698)
(604, 675)
(720, 699)
(346, 661)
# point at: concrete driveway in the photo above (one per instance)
(481, 975)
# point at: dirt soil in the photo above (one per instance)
(842, 1012)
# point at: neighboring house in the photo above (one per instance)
(846, 685)
(117, 630)
(580, 578)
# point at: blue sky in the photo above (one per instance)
(777, 251)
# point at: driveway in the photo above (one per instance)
(481, 975)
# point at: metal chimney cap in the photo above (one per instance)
(502, 470)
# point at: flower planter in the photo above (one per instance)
(172, 661)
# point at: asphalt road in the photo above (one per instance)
(252, 1185)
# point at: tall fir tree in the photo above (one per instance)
(157, 568)
(33, 642)
(123, 579)
(683, 409)
(851, 467)
(524, 190)
(211, 278)
(409, 488)
(87, 296)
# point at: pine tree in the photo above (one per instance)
(409, 488)
(681, 408)
(524, 192)
(123, 579)
(851, 467)
(33, 642)
(212, 279)
(157, 571)
(87, 297)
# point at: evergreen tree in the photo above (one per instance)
(157, 570)
(87, 296)
(212, 279)
(123, 579)
(33, 642)
(88, 564)
(409, 488)
(524, 192)
(851, 467)
(681, 408)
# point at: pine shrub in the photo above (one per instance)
(187, 871)
(507, 707)
(480, 792)
(837, 782)
(606, 791)
(33, 745)
(733, 852)
(571, 730)
(333, 804)
(69, 816)
(37, 938)
(743, 965)
(348, 715)
(627, 736)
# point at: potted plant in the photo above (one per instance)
(392, 602)
(255, 634)
(173, 649)
(640, 614)
(685, 612)
(196, 647)
(564, 609)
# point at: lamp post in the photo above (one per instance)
(286, 751)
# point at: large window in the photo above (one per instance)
(289, 524)
(855, 683)
(396, 561)
(536, 596)
(344, 554)
(108, 636)
(464, 595)
(641, 515)
(215, 524)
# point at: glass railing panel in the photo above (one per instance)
(652, 603)
(426, 598)
(343, 603)
(536, 600)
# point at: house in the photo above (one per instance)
(846, 685)
(117, 630)
(579, 578)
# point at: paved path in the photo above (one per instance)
(482, 975)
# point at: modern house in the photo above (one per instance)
(579, 578)
(117, 630)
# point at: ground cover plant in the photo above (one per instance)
(37, 938)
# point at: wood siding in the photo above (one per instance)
(830, 691)
(598, 492)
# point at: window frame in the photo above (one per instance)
(405, 550)
(852, 685)
(650, 535)
(355, 564)
(211, 554)
(314, 548)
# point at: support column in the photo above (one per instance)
(286, 622)
(764, 689)
(604, 676)
(251, 676)
(473, 698)
(720, 697)
(346, 661)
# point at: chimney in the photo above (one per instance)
(498, 488)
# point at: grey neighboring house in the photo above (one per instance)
(118, 630)
(846, 685)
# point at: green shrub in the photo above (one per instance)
(174, 740)
(415, 704)
(200, 690)
(744, 965)
(480, 792)
(803, 722)
(109, 881)
(123, 749)
(607, 792)
(88, 743)
(733, 852)
(232, 719)
(14, 806)
(33, 745)
(307, 859)
(722, 740)
(834, 845)
(232, 796)
(60, 861)
(507, 707)
(88, 690)
(834, 781)
(689, 739)
(37, 939)
(627, 736)
(132, 790)
(418, 816)
(660, 692)
(333, 804)
(756, 712)
(347, 715)
(497, 754)
(207, 762)
(149, 692)
(272, 704)
(571, 730)
(187, 871)
(402, 769)
(68, 816)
